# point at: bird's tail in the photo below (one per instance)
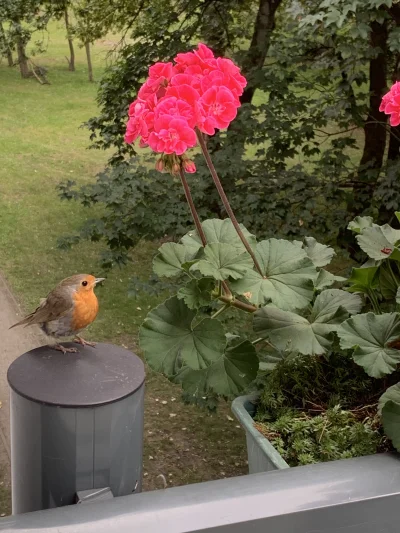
(25, 321)
(28, 319)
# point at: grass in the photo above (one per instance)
(41, 143)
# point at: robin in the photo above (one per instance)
(67, 310)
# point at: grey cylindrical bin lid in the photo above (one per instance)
(91, 377)
(76, 424)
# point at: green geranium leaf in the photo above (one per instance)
(217, 230)
(319, 254)
(328, 304)
(194, 382)
(369, 336)
(170, 260)
(379, 242)
(289, 331)
(392, 394)
(326, 279)
(197, 293)
(223, 261)
(170, 341)
(235, 370)
(360, 223)
(229, 376)
(363, 279)
(391, 422)
(288, 276)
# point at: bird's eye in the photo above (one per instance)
(84, 283)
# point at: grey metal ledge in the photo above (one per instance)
(352, 496)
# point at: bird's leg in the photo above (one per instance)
(79, 340)
(63, 349)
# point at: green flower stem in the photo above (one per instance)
(392, 274)
(230, 300)
(225, 200)
(262, 339)
(374, 301)
(220, 310)
(196, 219)
(192, 207)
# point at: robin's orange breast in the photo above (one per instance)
(85, 310)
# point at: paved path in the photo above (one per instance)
(13, 343)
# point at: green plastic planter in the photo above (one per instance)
(262, 456)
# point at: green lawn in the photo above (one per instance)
(41, 143)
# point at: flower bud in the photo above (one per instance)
(160, 165)
(189, 166)
(175, 168)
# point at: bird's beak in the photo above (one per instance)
(99, 280)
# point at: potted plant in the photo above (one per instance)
(299, 314)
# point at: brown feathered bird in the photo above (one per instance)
(67, 310)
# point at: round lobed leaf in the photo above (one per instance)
(217, 230)
(319, 254)
(288, 276)
(170, 341)
(171, 258)
(197, 293)
(223, 261)
(370, 335)
(289, 331)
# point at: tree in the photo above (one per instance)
(5, 46)
(24, 18)
(95, 18)
(314, 138)
(259, 46)
(71, 60)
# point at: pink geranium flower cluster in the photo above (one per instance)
(198, 90)
(391, 104)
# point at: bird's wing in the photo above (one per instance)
(55, 306)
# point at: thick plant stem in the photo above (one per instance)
(238, 304)
(192, 207)
(225, 200)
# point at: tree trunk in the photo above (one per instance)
(71, 60)
(89, 61)
(375, 125)
(394, 143)
(374, 138)
(257, 53)
(22, 59)
(8, 52)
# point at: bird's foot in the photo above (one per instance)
(81, 341)
(63, 349)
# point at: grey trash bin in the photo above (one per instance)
(76, 424)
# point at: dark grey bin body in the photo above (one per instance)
(76, 424)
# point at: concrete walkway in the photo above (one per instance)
(13, 343)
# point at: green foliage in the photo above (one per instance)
(289, 163)
(287, 276)
(370, 336)
(314, 410)
(313, 335)
(285, 162)
(335, 434)
(297, 316)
